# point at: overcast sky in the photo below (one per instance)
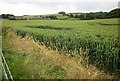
(37, 7)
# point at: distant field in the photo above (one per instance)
(59, 16)
(96, 39)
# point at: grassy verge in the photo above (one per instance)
(26, 65)
(27, 59)
(23, 68)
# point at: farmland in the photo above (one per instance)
(95, 40)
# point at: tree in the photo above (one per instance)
(92, 16)
(76, 16)
(40, 15)
(62, 12)
(87, 16)
(52, 17)
(47, 16)
(81, 16)
(114, 13)
(71, 15)
(6, 16)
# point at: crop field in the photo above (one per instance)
(96, 40)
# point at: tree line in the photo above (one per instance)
(101, 15)
(6, 16)
(115, 13)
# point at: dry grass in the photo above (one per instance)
(73, 67)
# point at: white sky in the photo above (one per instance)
(37, 7)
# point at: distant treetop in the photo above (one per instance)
(62, 12)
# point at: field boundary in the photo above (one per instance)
(5, 68)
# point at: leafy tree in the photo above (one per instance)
(6, 16)
(81, 16)
(71, 15)
(76, 16)
(91, 16)
(62, 12)
(67, 14)
(40, 15)
(52, 17)
(47, 16)
(114, 13)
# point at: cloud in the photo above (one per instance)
(36, 7)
